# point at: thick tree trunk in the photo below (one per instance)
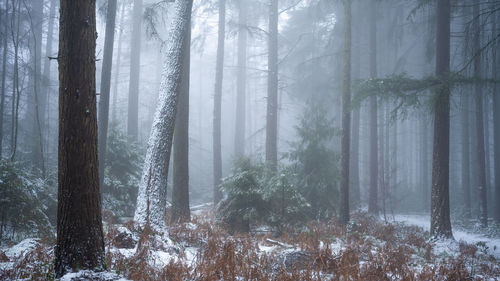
(219, 71)
(80, 241)
(239, 137)
(346, 117)
(373, 196)
(107, 63)
(466, 156)
(180, 191)
(135, 68)
(272, 87)
(4, 72)
(152, 195)
(440, 198)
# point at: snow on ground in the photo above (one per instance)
(423, 221)
(90, 275)
(21, 248)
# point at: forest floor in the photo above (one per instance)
(368, 249)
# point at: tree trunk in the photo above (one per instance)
(272, 87)
(440, 198)
(16, 93)
(117, 66)
(239, 138)
(346, 117)
(107, 63)
(80, 241)
(466, 156)
(356, 116)
(180, 191)
(373, 199)
(219, 71)
(152, 194)
(135, 68)
(496, 125)
(4, 72)
(425, 163)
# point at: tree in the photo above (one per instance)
(105, 86)
(440, 197)
(219, 72)
(180, 191)
(373, 197)
(466, 155)
(496, 125)
(239, 137)
(478, 92)
(4, 72)
(152, 194)
(135, 67)
(346, 117)
(272, 86)
(80, 240)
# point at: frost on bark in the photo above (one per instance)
(440, 201)
(152, 195)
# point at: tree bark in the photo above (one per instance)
(180, 191)
(496, 124)
(466, 156)
(272, 87)
(373, 196)
(117, 66)
(240, 123)
(4, 72)
(80, 241)
(219, 72)
(346, 117)
(440, 197)
(107, 63)
(135, 68)
(152, 195)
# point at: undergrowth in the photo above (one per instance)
(367, 249)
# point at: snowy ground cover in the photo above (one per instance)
(368, 249)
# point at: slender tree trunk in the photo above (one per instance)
(4, 72)
(16, 93)
(478, 92)
(180, 191)
(346, 117)
(152, 195)
(135, 68)
(107, 64)
(219, 71)
(466, 155)
(425, 163)
(373, 199)
(272, 87)
(440, 198)
(496, 124)
(117, 67)
(239, 138)
(80, 240)
(356, 115)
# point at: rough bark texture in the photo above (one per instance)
(239, 137)
(373, 194)
(478, 92)
(180, 191)
(80, 242)
(152, 195)
(107, 63)
(272, 87)
(440, 197)
(219, 71)
(135, 69)
(346, 117)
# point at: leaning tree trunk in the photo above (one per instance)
(440, 197)
(219, 71)
(239, 137)
(180, 191)
(346, 117)
(135, 67)
(80, 240)
(107, 63)
(152, 195)
(272, 87)
(478, 92)
(373, 193)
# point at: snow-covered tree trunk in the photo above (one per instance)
(152, 196)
